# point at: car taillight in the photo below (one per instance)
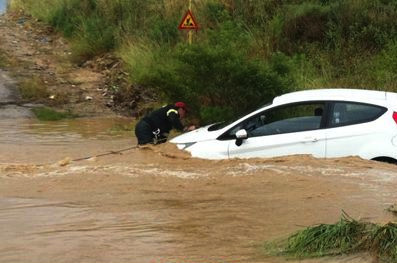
(395, 116)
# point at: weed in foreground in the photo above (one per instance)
(345, 237)
(382, 242)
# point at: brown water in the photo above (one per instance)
(156, 204)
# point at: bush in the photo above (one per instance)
(217, 78)
(384, 67)
(304, 24)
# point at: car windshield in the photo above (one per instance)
(218, 126)
(223, 124)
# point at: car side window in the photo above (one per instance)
(349, 113)
(287, 119)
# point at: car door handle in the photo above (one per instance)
(310, 139)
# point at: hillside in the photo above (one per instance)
(244, 53)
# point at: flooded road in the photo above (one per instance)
(157, 204)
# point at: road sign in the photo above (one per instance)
(188, 21)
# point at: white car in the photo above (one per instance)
(325, 123)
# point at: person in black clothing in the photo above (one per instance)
(154, 127)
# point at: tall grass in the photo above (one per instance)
(345, 237)
(43, 9)
(326, 239)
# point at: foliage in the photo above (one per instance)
(384, 66)
(93, 37)
(217, 77)
(245, 51)
(382, 241)
(345, 237)
(48, 114)
(326, 239)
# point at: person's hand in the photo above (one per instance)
(190, 128)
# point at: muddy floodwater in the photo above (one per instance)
(156, 204)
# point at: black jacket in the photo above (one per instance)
(164, 119)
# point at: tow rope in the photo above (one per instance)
(103, 154)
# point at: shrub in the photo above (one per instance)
(304, 24)
(217, 78)
(384, 67)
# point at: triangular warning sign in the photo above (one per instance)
(188, 21)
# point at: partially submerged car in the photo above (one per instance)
(325, 123)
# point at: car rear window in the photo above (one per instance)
(348, 113)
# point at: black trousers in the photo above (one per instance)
(144, 133)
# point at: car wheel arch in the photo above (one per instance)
(385, 159)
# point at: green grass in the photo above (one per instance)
(326, 239)
(48, 114)
(382, 242)
(348, 236)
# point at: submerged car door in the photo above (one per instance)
(351, 128)
(284, 130)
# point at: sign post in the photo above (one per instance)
(190, 33)
(189, 23)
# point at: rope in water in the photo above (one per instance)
(104, 154)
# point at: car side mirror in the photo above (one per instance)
(241, 135)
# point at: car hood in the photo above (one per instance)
(198, 135)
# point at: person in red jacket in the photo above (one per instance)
(155, 127)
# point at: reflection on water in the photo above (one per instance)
(30, 131)
(3, 6)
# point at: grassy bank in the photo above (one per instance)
(245, 52)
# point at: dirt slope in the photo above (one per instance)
(35, 54)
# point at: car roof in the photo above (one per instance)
(333, 94)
